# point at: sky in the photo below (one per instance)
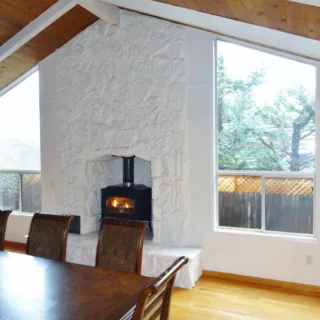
(281, 73)
(19, 119)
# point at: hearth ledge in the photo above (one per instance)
(156, 257)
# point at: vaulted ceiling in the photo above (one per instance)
(284, 15)
(16, 14)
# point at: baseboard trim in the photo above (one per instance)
(15, 246)
(290, 287)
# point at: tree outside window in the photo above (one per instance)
(266, 122)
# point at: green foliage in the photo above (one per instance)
(275, 137)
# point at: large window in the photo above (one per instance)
(20, 187)
(266, 124)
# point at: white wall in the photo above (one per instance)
(48, 130)
(265, 256)
(18, 227)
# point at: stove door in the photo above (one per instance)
(120, 205)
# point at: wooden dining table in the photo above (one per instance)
(43, 289)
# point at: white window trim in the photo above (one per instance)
(315, 3)
(316, 175)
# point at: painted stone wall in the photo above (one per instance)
(121, 91)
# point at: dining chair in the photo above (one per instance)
(120, 245)
(48, 236)
(154, 300)
(4, 215)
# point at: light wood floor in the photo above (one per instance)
(222, 299)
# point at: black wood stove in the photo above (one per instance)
(127, 200)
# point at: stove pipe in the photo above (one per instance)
(128, 171)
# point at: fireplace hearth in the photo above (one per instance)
(127, 200)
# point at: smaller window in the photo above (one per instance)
(20, 176)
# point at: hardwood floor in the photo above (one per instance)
(222, 299)
(218, 299)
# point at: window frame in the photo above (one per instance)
(3, 91)
(215, 170)
(20, 173)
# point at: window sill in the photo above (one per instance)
(281, 236)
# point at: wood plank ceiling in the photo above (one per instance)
(283, 15)
(16, 14)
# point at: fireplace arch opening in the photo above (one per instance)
(127, 200)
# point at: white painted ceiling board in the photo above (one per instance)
(315, 3)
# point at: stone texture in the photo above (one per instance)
(121, 91)
(155, 258)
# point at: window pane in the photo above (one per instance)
(266, 111)
(266, 122)
(9, 191)
(31, 192)
(289, 205)
(20, 126)
(239, 201)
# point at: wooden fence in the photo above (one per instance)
(30, 189)
(286, 213)
(245, 183)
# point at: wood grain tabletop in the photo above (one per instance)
(37, 288)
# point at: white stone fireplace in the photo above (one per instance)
(120, 90)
